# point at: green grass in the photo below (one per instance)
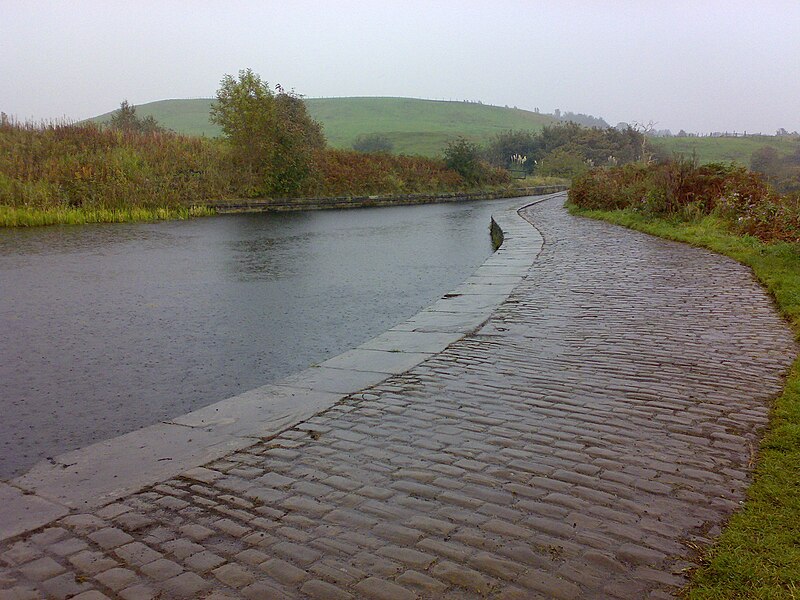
(725, 149)
(758, 554)
(425, 126)
(414, 126)
(33, 217)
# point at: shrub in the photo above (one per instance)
(680, 189)
(463, 157)
(125, 119)
(271, 134)
(373, 142)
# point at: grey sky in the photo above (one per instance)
(698, 65)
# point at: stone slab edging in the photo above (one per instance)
(98, 474)
(339, 202)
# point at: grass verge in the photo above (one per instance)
(758, 554)
(11, 216)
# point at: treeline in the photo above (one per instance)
(565, 149)
(679, 188)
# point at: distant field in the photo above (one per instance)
(414, 126)
(726, 149)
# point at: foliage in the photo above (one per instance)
(562, 162)
(584, 120)
(84, 166)
(757, 555)
(503, 146)
(84, 173)
(566, 149)
(126, 120)
(464, 157)
(373, 142)
(681, 189)
(350, 173)
(271, 135)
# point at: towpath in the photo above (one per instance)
(578, 444)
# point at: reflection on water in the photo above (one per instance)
(109, 328)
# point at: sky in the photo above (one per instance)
(695, 65)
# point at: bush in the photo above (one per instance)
(271, 135)
(125, 119)
(464, 157)
(374, 142)
(562, 162)
(680, 189)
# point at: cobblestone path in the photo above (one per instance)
(601, 422)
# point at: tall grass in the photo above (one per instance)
(33, 217)
(63, 173)
(60, 166)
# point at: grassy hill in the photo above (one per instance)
(725, 149)
(425, 126)
(414, 126)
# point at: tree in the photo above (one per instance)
(463, 157)
(504, 145)
(125, 119)
(270, 133)
(562, 162)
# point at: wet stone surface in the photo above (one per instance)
(603, 418)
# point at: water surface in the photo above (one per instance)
(110, 328)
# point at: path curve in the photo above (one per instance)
(602, 419)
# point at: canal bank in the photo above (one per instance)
(97, 474)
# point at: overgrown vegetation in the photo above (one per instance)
(272, 138)
(132, 169)
(126, 120)
(681, 189)
(566, 149)
(464, 157)
(61, 166)
(728, 210)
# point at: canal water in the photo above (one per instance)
(110, 328)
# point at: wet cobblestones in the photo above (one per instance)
(601, 422)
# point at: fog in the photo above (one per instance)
(698, 66)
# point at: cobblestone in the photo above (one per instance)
(601, 416)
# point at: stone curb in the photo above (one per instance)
(340, 202)
(98, 474)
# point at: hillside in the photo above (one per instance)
(425, 126)
(414, 126)
(725, 149)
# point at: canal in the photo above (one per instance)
(110, 328)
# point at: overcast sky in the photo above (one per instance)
(697, 65)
